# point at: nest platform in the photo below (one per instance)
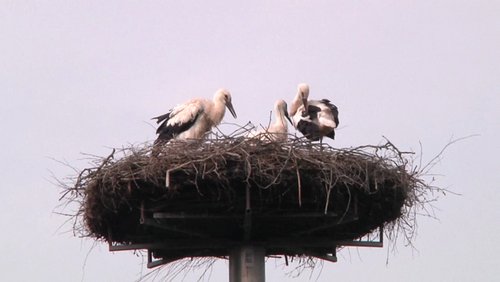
(200, 199)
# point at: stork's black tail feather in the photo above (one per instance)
(162, 117)
(164, 132)
(331, 134)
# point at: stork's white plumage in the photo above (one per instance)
(313, 118)
(194, 119)
(278, 131)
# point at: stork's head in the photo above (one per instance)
(303, 91)
(281, 108)
(223, 96)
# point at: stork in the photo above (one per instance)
(195, 118)
(313, 118)
(278, 131)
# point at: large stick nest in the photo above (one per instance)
(294, 190)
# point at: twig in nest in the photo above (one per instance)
(299, 187)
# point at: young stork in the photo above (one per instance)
(313, 118)
(194, 119)
(278, 131)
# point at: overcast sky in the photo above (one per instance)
(85, 76)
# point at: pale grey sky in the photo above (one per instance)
(83, 76)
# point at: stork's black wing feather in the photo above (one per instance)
(309, 129)
(179, 119)
(166, 132)
(334, 109)
(313, 111)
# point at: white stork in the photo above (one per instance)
(278, 131)
(313, 118)
(194, 119)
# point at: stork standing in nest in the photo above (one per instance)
(195, 118)
(315, 119)
(278, 131)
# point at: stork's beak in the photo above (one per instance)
(288, 117)
(304, 102)
(229, 105)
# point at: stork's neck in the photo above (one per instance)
(281, 123)
(216, 111)
(297, 101)
(279, 119)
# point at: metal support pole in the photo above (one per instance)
(247, 264)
